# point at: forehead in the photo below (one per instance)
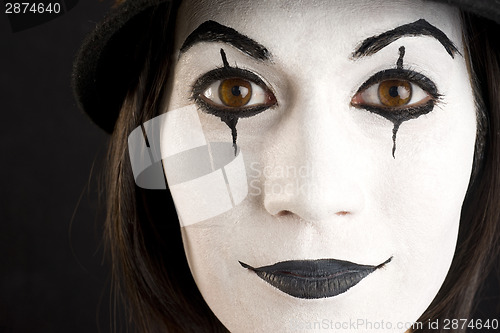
(289, 27)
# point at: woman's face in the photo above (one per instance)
(355, 127)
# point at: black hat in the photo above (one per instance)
(111, 57)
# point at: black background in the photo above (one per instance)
(52, 274)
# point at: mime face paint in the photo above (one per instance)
(395, 90)
(231, 93)
(230, 119)
(322, 183)
(399, 64)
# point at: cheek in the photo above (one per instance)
(427, 185)
(438, 149)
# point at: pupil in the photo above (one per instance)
(393, 91)
(235, 90)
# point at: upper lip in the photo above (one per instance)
(314, 278)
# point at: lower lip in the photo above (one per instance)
(313, 279)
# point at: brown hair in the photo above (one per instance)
(478, 241)
(150, 272)
(149, 266)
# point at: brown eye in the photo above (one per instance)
(391, 94)
(235, 92)
(394, 93)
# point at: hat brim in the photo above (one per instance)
(110, 60)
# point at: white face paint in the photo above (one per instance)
(322, 179)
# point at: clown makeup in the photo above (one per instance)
(355, 138)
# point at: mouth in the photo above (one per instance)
(312, 279)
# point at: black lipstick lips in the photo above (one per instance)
(312, 279)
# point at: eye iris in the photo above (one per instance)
(394, 92)
(235, 92)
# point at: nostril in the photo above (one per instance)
(284, 213)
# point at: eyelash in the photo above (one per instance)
(224, 73)
(402, 74)
(397, 114)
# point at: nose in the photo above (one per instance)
(314, 167)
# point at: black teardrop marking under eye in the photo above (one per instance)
(394, 93)
(230, 120)
(397, 114)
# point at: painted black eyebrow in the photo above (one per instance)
(211, 31)
(374, 44)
